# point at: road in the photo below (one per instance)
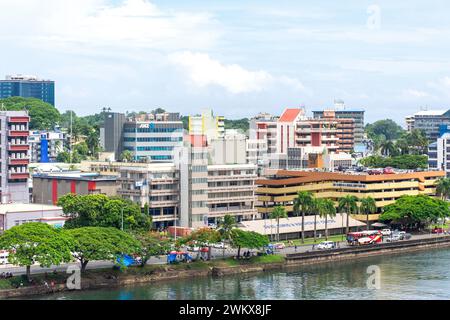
(215, 254)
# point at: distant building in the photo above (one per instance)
(439, 151)
(15, 214)
(231, 149)
(149, 137)
(429, 121)
(340, 112)
(28, 87)
(213, 127)
(14, 159)
(49, 187)
(46, 145)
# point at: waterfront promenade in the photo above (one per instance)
(216, 254)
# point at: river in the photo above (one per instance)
(422, 275)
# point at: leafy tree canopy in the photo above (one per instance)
(37, 242)
(97, 243)
(416, 209)
(248, 239)
(407, 161)
(102, 211)
(152, 244)
(43, 116)
(387, 128)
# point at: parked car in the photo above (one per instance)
(326, 245)
(279, 246)
(386, 232)
(220, 245)
(393, 238)
(438, 230)
(405, 236)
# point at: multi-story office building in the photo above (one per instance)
(50, 186)
(287, 130)
(213, 127)
(429, 121)
(263, 128)
(28, 87)
(317, 133)
(192, 162)
(150, 137)
(340, 112)
(46, 145)
(439, 151)
(155, 185)
(231, 149)
(231, 190)
(282, 188)
(345, 130)
(14, 158)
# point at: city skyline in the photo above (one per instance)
(237, 59)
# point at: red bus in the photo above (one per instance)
(364, 237)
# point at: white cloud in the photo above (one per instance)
(72, 26)
(408, 93)
(203, 71)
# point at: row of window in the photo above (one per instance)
(153, 139)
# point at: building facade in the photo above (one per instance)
(154, 186)
(46, 145)
(28, 87)
(282, 188)
(231, 191)
(14, 159)
(429, 121)
(340, 112)
(213, 127)
(49, 187)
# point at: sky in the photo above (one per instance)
(390, 58)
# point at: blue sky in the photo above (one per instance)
(237, 57)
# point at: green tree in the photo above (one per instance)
(278, 213)
(302, 204)
(203, 237)
(411, 210)
(36, 242)
(387, 128)
(97, 243)
(443, 188)
(225, 226)
(387, 148)
(152, 244)
(63, 157)
(248, 239)
(325, 208)
(126, 156)
(348, 205)
(43, 116)
(367, 206)
(102, 211)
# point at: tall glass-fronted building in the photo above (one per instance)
(28, 87)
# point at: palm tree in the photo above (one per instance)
(368, 206)
(325, 208)
(348, 204)
(278, 213)
(225, 226)
(443, 188)
(387, 148)
(313, 209)
(302, 203)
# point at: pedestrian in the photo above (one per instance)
(295, 247)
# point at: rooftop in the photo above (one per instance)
(290, 115)
(26, 207)
(431, 113)
(75, 175)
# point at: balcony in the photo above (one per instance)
(17, 161)
(18, 147)
(19, 119)
(18, 133)
(18, 175)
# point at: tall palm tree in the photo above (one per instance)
(302, 203)
(368, 206)
(313, 209)
(225, 226)
(348, 204)
(387, 148)
(443, 188)
(325, 208)
(278, 213)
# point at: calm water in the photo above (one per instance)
(424, 275)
